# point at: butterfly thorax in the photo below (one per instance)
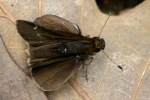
(82, 46)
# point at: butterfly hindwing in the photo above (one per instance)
(53, 76)
(56, 23)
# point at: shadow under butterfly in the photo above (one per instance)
(114, 7)
(57, 49)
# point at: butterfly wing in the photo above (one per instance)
(49, 69)
(31, 32)
(54, 75)
(38, 34)
(55, 23)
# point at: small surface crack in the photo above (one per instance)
(141, 80)
(7, 13)
(79, 90)
(40, 7)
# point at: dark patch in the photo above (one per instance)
(114, 7)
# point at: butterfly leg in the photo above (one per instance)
(88, 61)
(86, 73)
(85, 67)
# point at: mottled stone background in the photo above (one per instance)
(127, 42)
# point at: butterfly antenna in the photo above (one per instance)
(119, 66)
(102, 29)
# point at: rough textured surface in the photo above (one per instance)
(127, 42)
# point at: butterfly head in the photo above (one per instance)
(99, 43)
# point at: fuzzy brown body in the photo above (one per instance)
(65, 48)
(57, 49)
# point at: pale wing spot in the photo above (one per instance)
(35, 28)
(65, 50)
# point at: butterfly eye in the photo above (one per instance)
(102, 44)
(99, 43)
